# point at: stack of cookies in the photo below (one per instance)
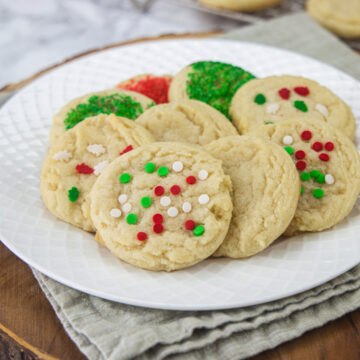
(213, 162)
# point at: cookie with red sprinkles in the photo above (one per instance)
(152, 86)
(76, 161)
(280, 98)
(329, 168)
(148, 213)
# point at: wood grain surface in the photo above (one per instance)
(29, 328)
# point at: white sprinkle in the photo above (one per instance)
(126, 207)
(287, 140)
(122, 198)
(99, 168)
(165, 201)
(62, 156)
(115, 213)
(96, 149)
(272, 108)
(329, 179)
(203, 199)
(177, 166)
(186, 207)
(203, 175)
(322, 109)
(173, 211)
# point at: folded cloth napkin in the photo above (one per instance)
(107, 330)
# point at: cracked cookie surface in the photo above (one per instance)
(163, 206)
(188, 121)
(266, 190)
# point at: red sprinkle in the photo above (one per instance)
(158, 219)
(127, 149)
(300, 154)
(159, 190)
(84, 169)
(302, 90)
(324, 157)
(329, 146)
(156, 88)
(301, 165)
(284, 93)
(317, 146)
(306, 135)
(175, 189)
(191, 180)
(141, 236)
(190, 225)
(158, 228)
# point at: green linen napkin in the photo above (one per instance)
(107, 330)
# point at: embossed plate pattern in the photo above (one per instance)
(72, 257)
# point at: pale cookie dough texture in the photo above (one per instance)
(340, 16)
(188, 121)
(266, 190)
(58, 128)
(329, 168)
(75, 162)
(278, 98)
(240, 5)
(163, 206)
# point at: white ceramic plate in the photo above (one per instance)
(72, 257)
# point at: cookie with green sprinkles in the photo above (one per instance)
(78, 159)
(172, 211)
(280, 98)
(211, 82)
(122, 103)
(329, 167)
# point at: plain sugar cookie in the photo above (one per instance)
(277, 98)
(75, 162)
(122, 103)
(211, 82)
(163, 206)
(188, 121)
(329, 168)
(266, 190)
(342, 17)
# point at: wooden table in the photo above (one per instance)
(29, 328)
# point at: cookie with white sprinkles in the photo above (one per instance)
(75, 162)
(329, 168)
(278, 98)
(163, 206)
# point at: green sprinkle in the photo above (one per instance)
(301, 190)
(199, 230)
(150, 167)
(163, 171)
(131, 219)
(318, 193)
(305, 176)
(289, 150)
(125, 178)
(260, 99)
(268, 122)
(215, 83)
(321, 179)
(314, 173)
(300, 105)
(145, 201)
(73, 194)
(118, 104)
